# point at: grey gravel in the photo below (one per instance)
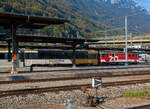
(19, 102)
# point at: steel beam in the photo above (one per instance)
(9, 51)
(98, 57)
(74, 55)
(14, 49)
(126, 41)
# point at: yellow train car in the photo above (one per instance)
(87, 58)
(83, 57)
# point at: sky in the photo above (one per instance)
(144, 3)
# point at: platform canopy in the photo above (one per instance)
(24, 21)
(13, 22)
(35, 22)
(42, 39)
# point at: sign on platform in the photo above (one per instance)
(96, 82)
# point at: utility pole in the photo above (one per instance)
(77, 34)
(105, 38)
(131, 39)
(126, 41)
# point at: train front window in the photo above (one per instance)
(106, 55)
(119, 55)
(92, 56)
(103, 55)
(135, 55)
(82, 55)
(129, 55)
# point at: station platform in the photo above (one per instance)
(60, 72)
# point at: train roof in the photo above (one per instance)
(50, 51)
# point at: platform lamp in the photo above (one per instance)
(126, 41)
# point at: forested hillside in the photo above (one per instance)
(87, 17)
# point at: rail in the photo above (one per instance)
(67, 88)
(93, 68)
(47, 65)
(82, 76)
(141, 107)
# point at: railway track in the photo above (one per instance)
(103, 67)
(82, 76)
(141, 107)
(67, 88)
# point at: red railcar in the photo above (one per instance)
(118, 58)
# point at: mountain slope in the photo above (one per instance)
(87, 17)
(104, 10)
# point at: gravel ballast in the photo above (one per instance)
(113, 94)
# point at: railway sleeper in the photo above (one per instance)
(93, 101)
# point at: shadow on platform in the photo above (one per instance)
(14, 78)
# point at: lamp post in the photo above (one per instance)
(131, 44)
(126, 41)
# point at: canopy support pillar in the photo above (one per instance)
(9, 51)
(74, 55)
(14, 50)
(98, 57)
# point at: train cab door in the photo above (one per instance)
(99, 57)
(107, 58)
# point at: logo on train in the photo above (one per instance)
(115, 58)
(111, 59)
